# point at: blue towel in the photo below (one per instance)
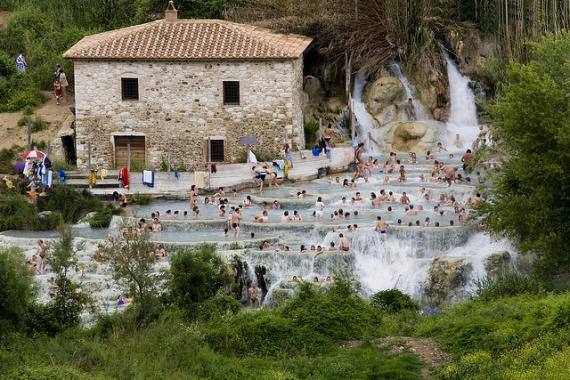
(61, 175)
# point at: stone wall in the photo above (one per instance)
(181, 104)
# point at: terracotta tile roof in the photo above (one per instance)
(189, 40)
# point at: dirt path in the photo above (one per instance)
(11, 133)
(426, 349)
(4, 16)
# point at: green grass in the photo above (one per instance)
(521, 337)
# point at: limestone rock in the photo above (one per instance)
(382, 93)
(411, 136)
(498, 264)
(388, 115)
(446, 279)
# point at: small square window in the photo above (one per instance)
(231, 92)
(130, 88)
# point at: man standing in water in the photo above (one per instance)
(252, 293)
(343, 243)
(410, 110)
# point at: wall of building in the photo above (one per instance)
(181, 104)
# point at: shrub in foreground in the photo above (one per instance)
(393, 301)
(196, 275)
(15, 289)
(506, 285)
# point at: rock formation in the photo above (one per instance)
(446, 279)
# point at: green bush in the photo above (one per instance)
(506, 285)
(311, 131)
(140, 199)
(393, 301)
(342, 314)
(196, 275)
(17, 213)
(71, 203)
(8, 159)
(266, 334)
(217, 307)
(24, 98)
(15, 289)
(101, 219)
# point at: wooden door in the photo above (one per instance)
(137, 151)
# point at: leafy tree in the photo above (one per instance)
(132, 260)
(15, 289)
(531, 201)
(69, 300)
(197, 275)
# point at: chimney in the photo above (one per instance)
(171, 14)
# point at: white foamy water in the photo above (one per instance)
(463, 112)
(396, 71)
(364, 119)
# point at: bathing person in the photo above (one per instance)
(319, 208)
(343, 243)
(193, 197)
(285, 218)
(297, 217)
(237, 230)
(376, 202)
(358, 153)
(259, 175)
(410, 110)
(450, 173)
(41, 254)
(381, 225)
(332, 246)
(156, 226)
(467, 158)
(252, 293)
(402, 177)
(276, 205)
(247, 201)
(441, 148)
(411, 211)
(263, 218)
(413, 158)
(404, 199)
(328, 135)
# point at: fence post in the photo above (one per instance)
(129, 157)
(89, 164)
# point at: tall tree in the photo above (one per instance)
(531, 202)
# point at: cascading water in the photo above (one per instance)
(364, 119)
(396, 72)
(463, 112)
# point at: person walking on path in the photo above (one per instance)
(21, 63)
(57, 91)
(64, 83)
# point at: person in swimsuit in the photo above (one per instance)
(328, 135)
(343, 243)
(252, 293)
(259, 176)
(380, 225)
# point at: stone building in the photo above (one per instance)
(186, 91)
